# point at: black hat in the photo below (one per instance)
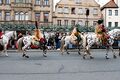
(100, 21)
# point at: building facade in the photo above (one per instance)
(111, 13)
(26, 11)
(72, 12)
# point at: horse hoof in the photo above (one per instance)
(23, 55)
(26, 56)
(119, 54)
(84, 57)
(91, 57)
(107, 57)
(44, 55)
(114, 56)
(6, 55)
(68, 53)
(79, 53)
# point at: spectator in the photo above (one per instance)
(51, 42)
(57, 41)
(1, 33)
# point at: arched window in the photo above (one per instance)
(7, 2)
(26, 16)
(37, 2)
(22, 16)
(16, 16)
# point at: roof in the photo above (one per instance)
(83, 2)
(110, 4)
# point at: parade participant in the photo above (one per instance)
(1, 33)
(76, 33)
(101, 32)
(37, 32)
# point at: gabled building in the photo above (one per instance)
(111, 13)
(26, 11)
(72, 12)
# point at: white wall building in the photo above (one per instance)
(72, 12)
(111, 13)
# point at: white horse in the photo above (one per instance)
(91, 39)
(5, 40)
(25, 43)
(70, 39)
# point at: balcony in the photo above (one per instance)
(21, 5)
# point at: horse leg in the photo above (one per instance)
(85, 53)
(107, 50)
(44, 51)
(66, 49)
(119, 51)
(88, 51)
(5, 50)
(24, 54)
(79, 50)
(114, 55)
(24, 51)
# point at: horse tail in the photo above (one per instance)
(84, 41)
(19, 44)
(62, 44)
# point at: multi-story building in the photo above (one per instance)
(111, 13)
(26, 11)
(72, 12)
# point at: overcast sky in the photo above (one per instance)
(101, 2)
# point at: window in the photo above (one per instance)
(7, 16)
(46, 16)
(80, 22)
(109, 24)
(73, 22)
(46, 2)
(80, 11)
(116, 12)
(7, 1)
(1, 1)
(0, 15)
(37, 16)
(18, 1)
(116, 24)
(66, 10)
(94, 23)
(28, 1)
(22, 1)
(95, 11)
(60, 10)
(77, 1)
(86, 23)
(73, 11)
(16, 16)
(66, 22)
(26, 16)
(110, 12)
(21, 16)
(37, 2)
(59, 22)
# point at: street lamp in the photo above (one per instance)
(87, 14)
